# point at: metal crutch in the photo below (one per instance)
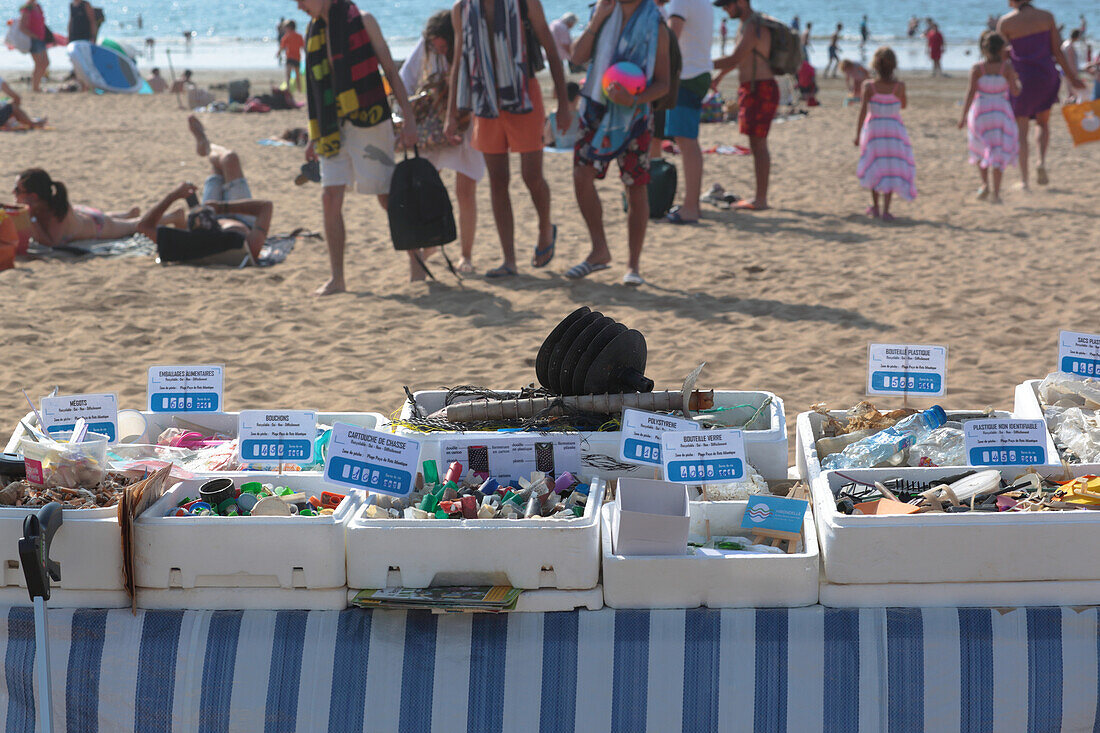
(38, 569)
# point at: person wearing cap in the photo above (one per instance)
(560, 30)
(758, 93)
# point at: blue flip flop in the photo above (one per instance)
(549, 249)
(673, 217)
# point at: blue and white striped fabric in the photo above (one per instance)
(805, 669)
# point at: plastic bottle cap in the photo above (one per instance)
(936, 416)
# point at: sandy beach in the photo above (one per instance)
(784, 300)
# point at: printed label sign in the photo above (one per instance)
(185, 388)
(1079, 353)
(1005, 442)
(641, 435)
(775, 513)
(277, 435)
(368, 460)
(100, 412)
(512, 456)
(707, 456)
(914, 369)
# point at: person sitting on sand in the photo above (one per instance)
(854, 75)
(183, 83)
(552, 137)
(54, 221)
(11, 110)
(226, 204)
(157, 82)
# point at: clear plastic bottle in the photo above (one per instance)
(942, 447)
(874, 449)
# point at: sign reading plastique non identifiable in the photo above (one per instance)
(707, 456)
(284, 436)
(100, 412)
(774, 513)
(371, 461)
(1005, 442)
(186, 388)
(916, 369)
(641, 435)
(1079, 353)
(511, 456)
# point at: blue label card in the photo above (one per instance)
(186, 388)
(774, 513)
(511, 456)
(100, 412)
(907, 369)
(368, 460)
(706, 456)
(641, 435)
(277, 436)
(1079, 353)
(1006, 442)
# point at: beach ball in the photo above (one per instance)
(628, 74)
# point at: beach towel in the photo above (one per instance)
(484, 89)
(634, 41)
(275, 250)
(350, 88)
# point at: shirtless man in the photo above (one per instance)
(758, 95)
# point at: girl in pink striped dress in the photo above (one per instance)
(886, 164)
(992, 134)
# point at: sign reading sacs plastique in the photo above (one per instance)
(100, 412)
(707, 456)
(916, 369)
(1079, 353)
(1005, 442)
(284, 436)
(186, 388)
(641, 435)
(371, 461)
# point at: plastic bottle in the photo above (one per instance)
(879, 447)
(942, 447)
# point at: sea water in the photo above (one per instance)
(240, 35)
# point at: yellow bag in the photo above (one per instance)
(1083, 121)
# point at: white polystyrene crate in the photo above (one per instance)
(765, 439)
(242, 553)
(547, 600)
(524, 553)
(684, 581)
(955, 595)
(1027, 405)
(968, 547)
(808, 431)
(265, 599)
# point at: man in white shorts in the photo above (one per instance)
(349, 117)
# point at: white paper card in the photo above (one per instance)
(707, 456)
(1005, 442)
(916, 369)
(100, 412)
(186, 388)
(368, 460)
(277, 436)
(641, 435)
(511, 456)
(1079, 353)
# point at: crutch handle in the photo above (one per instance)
(34, 550)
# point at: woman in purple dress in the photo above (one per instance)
(1035, 46)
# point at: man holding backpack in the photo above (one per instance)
(764, 47)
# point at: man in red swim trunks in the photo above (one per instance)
(758, 95)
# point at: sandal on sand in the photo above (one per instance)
(750, 206)
(674, 217)
(502, 271)
(983, 193)
(888, 217)
(633, 279)
(872, 211)
(547, 250)
(584, 269)
(1041, 176)
(716, 195)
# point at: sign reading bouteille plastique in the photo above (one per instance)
(100, 412)
(284, 436)
(914, 369)
(1005, 442)
(1079, 353)
(641, 435)
(707, 456)
(186, 388)
(371, 461)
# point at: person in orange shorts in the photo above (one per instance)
(506, 100)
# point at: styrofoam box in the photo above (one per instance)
(809, 430)
(953, 595)
(739, 581)
(968, 547)
(224, 423)
(1027, 405)
(524, 553)
(247, 555)
(765, 438)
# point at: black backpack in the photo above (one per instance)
(661, 188)
(419, 210)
